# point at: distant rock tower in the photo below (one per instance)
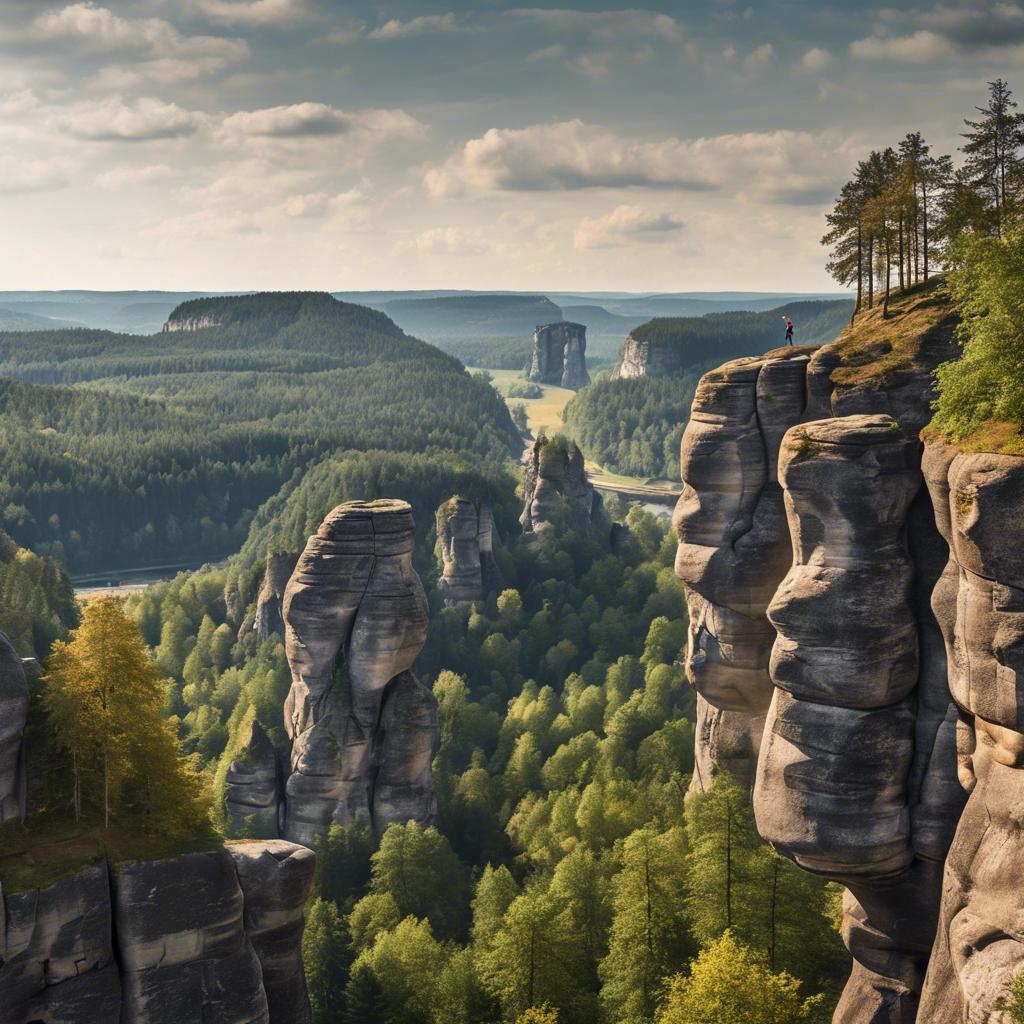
(554, 481)
(465, 532)
(560, 355)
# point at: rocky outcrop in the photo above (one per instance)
(363, 728)
(252, 800)
(808, 580)
(556, 487)
(979, 603)
(269, 620)
(212, 936)
(190, 323)
(643, 357)
(560, 356)
(465, 538)
(13, 715)
(57, 959)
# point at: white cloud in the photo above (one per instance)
(397, 29)
(782, 166)
(115, 120)
(451, 241)
(601, 63)
(120, 177)
(556, 52)
(311, 120)
(20, 175)
(624, 225)
(815, 59)
(918, 47)
(250, 12)
(611, 25)
(760, 59)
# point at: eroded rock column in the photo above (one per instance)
(252, 798)
(556, 487)
(465, 532)
(363, 728)
(979, 603)
(13, 714)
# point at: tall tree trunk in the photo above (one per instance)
(888, 273)
(903, 284)
(871, 271)
(924, 228)
(860, 269)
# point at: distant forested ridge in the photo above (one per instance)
(166, 445)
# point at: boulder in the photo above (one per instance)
(559, 356)
(355, 620)
(556, 487)
(252, 798)
(13, 715)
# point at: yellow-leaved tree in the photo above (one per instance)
(104, 699)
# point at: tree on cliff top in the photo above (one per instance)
(105, 699)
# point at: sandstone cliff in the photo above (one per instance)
(252, 801)
(269, 619)
(190, 323)
(13, 714)
(212, 936)
(808, 548)
(363, 728)
(559, 356)
(556, 487)
(465, 539)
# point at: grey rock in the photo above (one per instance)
(725, 741)
(356, 618)
(465, 532)
(181, 943)
(275, 878)
(252, 798)
(56, 953)
(559, 355)
(979, 604)
(269, 620)
(190, 323)
(13, 715)
(556, 487)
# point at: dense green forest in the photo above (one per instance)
(563, 779)
(634, 426)
(166, 445)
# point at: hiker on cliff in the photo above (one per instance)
(789, 330)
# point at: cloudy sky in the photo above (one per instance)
(230, 144)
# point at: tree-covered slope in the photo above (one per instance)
(166, 445)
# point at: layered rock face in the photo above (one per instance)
(269, 619)
(252, 799)
(808, 581)
(465, 537)
(13, 715)
(556, 485)
(638, 357)
(210, 936)
(560, 355)
(979, 603)
(363, 728)
(190, 323)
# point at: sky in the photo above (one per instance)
(285, 144)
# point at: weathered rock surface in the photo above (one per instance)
(13, 714)
(190, 323)
(725, 741)
(56, 953)
(275, 878)
(252, 799)
(638, 357)
(213, 937)
(979, 603)
(269, 620)
(560, 355)
(465, 537)
(556, 487)
(355, 620)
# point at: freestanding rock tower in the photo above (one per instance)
(363, 728)
(465, 538)
(560, 355)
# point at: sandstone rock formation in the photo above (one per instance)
(269, 619)
(556, 486)
(252, 799)
(212, 936)
(190, 323)
(560, 355)
(57, 958)
(856, 758)
(13, 714)
(979, 603)
(638, 357)
(465, 538)
(363, 728)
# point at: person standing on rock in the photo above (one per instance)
(789, 330)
